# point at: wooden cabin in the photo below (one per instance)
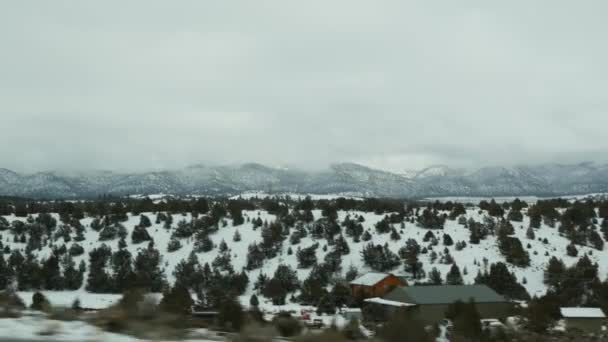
(375, 284)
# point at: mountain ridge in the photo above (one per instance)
(222, 180)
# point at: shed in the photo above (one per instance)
(592, 320)
(431, 302)
(374, 284)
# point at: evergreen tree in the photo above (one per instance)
(6, 273)
(530, 233)
(177, 300)
(435, 277)
(503, 282)
(40, 302)
(173, 245)
(140, 234)
(326, 306)
(231, 315)
(395, 235)
(76, 250)
(410, 255)
(29, 273)
(148, 273)
(237, 236)
(307, 257)
(189, 273)
(287, 278)
(596, 240)
(466, 318)
(253, 301)
(379, 258)
(99, 280)
(341, 295)
(447, 240)
(73, 278)
(555, 272)
(352, 273)
(255, 257)
(144, 221)
(571, 250)
(454, 277)
(122, 268)
(203, 243)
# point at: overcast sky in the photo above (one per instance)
(393, 84)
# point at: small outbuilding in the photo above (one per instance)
(374, 284)
(430, 303)
(590, 320)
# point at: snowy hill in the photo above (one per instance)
(471, 259)
(544, 180)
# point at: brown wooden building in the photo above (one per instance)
(375, 284)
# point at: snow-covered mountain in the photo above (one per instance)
(547, 179)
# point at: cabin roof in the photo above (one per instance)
(370, 279)
(446, 294)
(582, 313)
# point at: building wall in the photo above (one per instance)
(592, 325)
(378, 290)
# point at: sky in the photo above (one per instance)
(398, 85)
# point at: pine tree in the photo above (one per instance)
(203, 243)
(177, 300)
(307, 257)
(530, 233)
(352, 273)
(73, 278)
(29, 274)
(326, 306)
(395, 235)
(237, 236)
(40, 302)
(173, 245)
(144, 221)
(99, 280)
(454, 277)
(148, 273)
(503, 282)
(341, 295)
(76, 250)
(231, 314)
(139, 235)
(6, 273)
(435, 277)
(571, 250)
(255, 257)
(253, 301)
(122, 268)
(554, 273)
(410, 254)
(447, 240)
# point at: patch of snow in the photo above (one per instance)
(381, 301)
(582, 313)
(370, 279)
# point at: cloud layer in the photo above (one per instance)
(394, 84)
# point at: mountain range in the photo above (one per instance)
(345, 178)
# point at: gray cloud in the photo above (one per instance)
(151, 84)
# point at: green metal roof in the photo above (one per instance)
(444, 294)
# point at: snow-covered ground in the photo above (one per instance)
(470, 258)
(34, 326)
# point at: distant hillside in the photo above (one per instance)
(347, 178)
